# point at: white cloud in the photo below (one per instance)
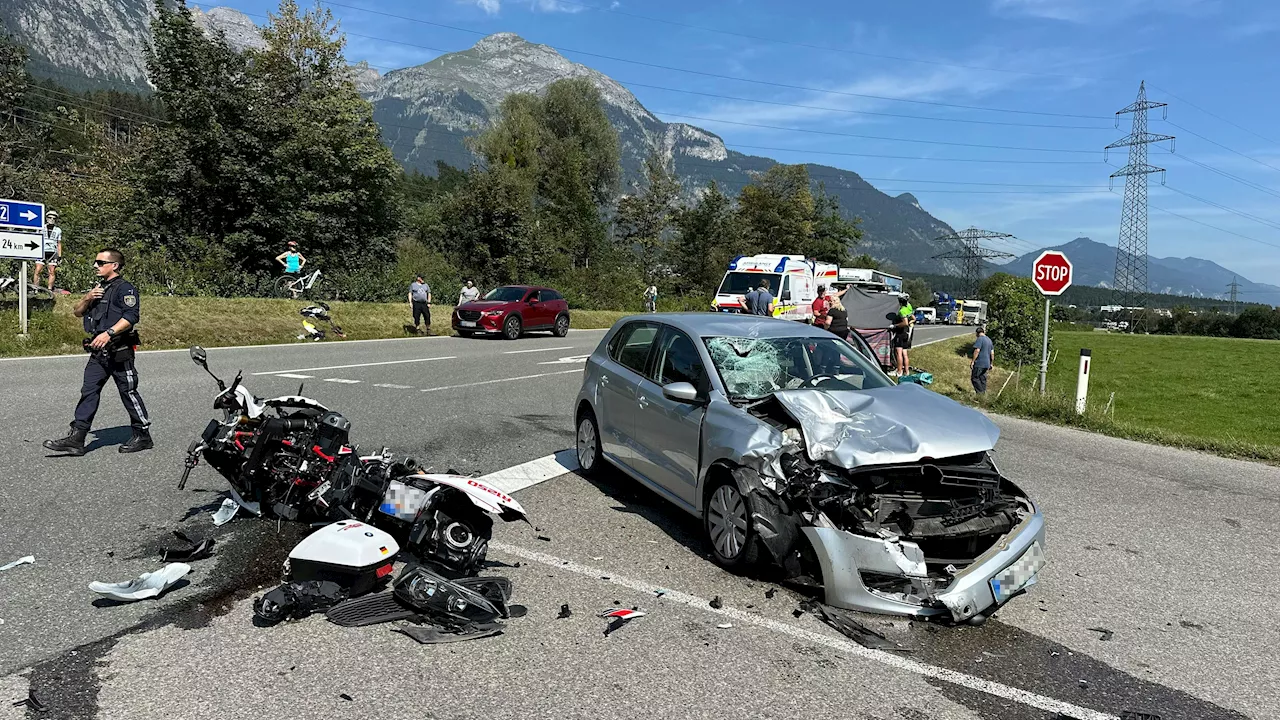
(1083, 11)
(490, 7)
(615, 5)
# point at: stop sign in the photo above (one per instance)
(1051, 272)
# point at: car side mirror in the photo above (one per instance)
(682, 392)
(786, 296)
(199, 356)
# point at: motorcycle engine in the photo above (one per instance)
(453, 535)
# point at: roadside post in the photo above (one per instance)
(21, 238)
(1082, 380)
(1051, 273)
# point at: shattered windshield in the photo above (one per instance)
(752, 368)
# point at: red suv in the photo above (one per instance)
(512, 310)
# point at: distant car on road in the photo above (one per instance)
(792, 445)
(513, 310)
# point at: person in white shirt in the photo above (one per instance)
(52, 249)
(469, 292)
(651, 299)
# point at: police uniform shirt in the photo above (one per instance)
(119, 300)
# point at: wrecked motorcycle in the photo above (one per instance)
(274, 453)
(289, 457)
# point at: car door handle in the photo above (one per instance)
(604, 379)
(643, 402)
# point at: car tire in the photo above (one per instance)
(590, 460)
(512, 327)
(726, 520)
(562, 325)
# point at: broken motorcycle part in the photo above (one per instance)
(296, 600)
(146, 585)
(354, 555)
(431, 635)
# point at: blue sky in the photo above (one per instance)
(1064, 58)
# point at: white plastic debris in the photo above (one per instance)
(226, 512)
(724, 626)
(147, 585)
(28, 560)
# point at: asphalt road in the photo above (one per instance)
(1170, 551)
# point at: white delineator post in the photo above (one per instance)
(22, 300)
(1082, 382)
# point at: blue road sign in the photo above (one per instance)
(18, 214)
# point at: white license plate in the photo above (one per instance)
(466, 323)
(1018, 576)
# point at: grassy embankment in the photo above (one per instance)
(173, 322)
(1210, 394)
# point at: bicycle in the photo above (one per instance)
(294, 287)
(35, 292)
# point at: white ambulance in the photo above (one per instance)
(793, 281)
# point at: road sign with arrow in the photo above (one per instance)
(21, 246)
(19, 214)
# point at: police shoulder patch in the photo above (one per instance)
(130, 300)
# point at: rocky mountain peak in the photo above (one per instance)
(500, 42)
(240, 32)
(909, 199)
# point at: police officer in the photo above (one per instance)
(110, 313)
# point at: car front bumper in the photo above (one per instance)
(1008, 568)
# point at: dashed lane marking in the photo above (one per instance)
(567, 360)
(295, 377)
(357, 365)
(528, 474)
(499, 380)
(521, 352)
(393, 386)
(344, 381)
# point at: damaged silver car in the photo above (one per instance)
(792, 445)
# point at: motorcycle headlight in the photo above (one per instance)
(421, 588)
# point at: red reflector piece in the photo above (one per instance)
(623, 613)
(384, 571)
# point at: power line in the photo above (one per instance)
(913, 157)
(1212, 115)
(1224, 147)
(1241, 213)
(1214, 227)
(1223, 173)
(971, 254)
(727, 77)
(99, 107)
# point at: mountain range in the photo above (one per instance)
(1094, 263)
(428, 110)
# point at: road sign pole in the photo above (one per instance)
(1044, 355)
(22, 300)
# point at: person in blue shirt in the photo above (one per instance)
(984, 355)
(291, 259)
(111, 313)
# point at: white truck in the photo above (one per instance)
(973, 312)
(793, 281)
(869, 280)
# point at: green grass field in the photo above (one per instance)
(1220, 388)
(173, 322)
(1211, 394)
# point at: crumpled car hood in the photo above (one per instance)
(900, 424)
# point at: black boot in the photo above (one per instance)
(141, 440)
(72, 444)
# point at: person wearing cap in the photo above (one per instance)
(52, 249)
(291, 259)
(420, 302)
(984, 358)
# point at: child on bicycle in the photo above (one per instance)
(291, 259)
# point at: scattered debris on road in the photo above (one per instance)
(724, 626)
(1132, 715)
(1106, 634)
(146, 585)
(345, 696)
(620, 618)
(225, 512)
(195, 549)
(296, 600)
(768, 594)
(31, 701)
(716, 602)
(564, 612)
(851, 628)
(26, 560)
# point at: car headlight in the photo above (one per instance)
(493, 313)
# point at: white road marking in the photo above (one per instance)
(499, 380)
(274, 345)
(357, 365)
(521, 352)
(296, 377)
(528, 474)
(393, 386)
(344, 381)
(567, 360)
(897, 662)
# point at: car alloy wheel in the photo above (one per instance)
(588, 444)
(727, 522)
(511, 328)
(562, 326)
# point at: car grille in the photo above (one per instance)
(471, 315)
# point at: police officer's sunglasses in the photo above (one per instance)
(100, 263)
